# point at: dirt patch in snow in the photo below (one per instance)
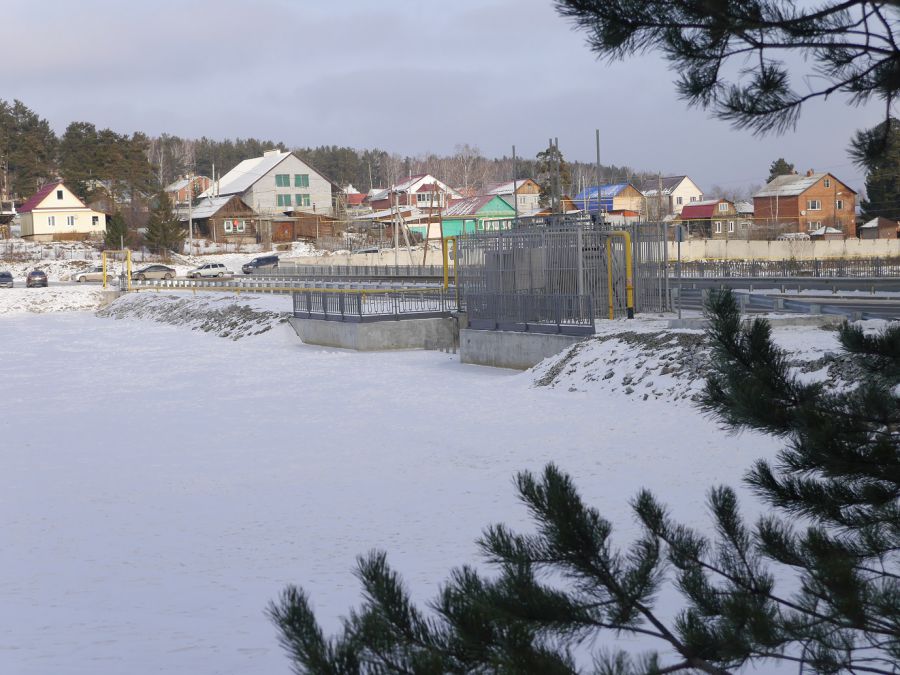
(225, 316)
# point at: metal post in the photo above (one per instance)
(515, 188)
(587, 208)
(679, 236)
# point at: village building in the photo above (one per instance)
(54, 213)
(523, 194)
(806, 203)
(278, 183)
(879, 228)
(186, 188)
(710, 219)
(423, 191)
(484, 213)
(615, 199)
(671, 194)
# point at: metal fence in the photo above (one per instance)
(571, 262)
(832, 267)
(366, 306)
(567, 314)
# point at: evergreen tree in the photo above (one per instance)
(850, 46)
(834, 493)
(116, 232)
(28, 147)
(877, 150)
(780, 167)
(164, 231)
(548, 162)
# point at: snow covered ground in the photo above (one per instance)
(160, 484)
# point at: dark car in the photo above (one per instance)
(262, 262)
(153, 272)
(36, 278)
(6, 280)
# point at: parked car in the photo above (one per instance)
(369, 249)
(153, 272)
(36, 278)
(209, 270)
(262, 262)
(95, 274)
(6, 280)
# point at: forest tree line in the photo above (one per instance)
(101, 163)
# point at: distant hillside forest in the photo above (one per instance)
(93, 160)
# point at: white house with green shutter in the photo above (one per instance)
(276, 183)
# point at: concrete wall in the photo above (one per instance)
(378, 335)
(738, 249)
(506, 349)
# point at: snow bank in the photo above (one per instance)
(229, 316)
(20, 300)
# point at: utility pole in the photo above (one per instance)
(515, 189)
(598, 179)
(190, 214)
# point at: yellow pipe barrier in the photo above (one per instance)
(629, 274)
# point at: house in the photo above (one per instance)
(54, 213)
(672, 193)
(710, 219)
(423, 191)
(224, 219)
(277, 183)
(616, 198)
(805, 203)
(476, 214)
(186, 189)
(523, 194)
(879, 228)
(826, 233)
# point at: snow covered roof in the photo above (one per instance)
(743, 207)
(824, 230)
(473, 205)
(179, 184)
(207, 208)
(506, 188)
(790, 185)
(245, 174)
(411, 184)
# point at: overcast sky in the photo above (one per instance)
(407, 76)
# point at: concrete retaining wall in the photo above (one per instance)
(737, 249)
(379, 335)
(434, 257)
(506, 349)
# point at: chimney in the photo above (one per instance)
(809, 173)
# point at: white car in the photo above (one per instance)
(95, 274)
(209, 270)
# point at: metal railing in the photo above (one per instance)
(353, 271)
(831, 267)
(553, 313)
(361, 306)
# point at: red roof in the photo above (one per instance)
(698, 210)
(356, 198)
(32, 202)
(428, 187)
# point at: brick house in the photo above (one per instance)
(710, 219)
(186, 188)
(879, 228)
(806, 203)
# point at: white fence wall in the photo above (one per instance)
(735, 249)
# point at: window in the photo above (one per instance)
(827, 183)
(51, 220)
(839, 205)
(301, 180)
(813, 205)
(95, 220)
(70, 221)
(723, 206)
(227, 226)
(813, 224)
(718, 227)
(680, 200)
(282, 180)
(731, 226)
(693, 199)
(59, 194)
(301, 200)
(283, 200)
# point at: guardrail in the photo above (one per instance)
(527, 312)
(274, 285)
(360, 306)
(356, 271)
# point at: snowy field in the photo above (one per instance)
(160, 485)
